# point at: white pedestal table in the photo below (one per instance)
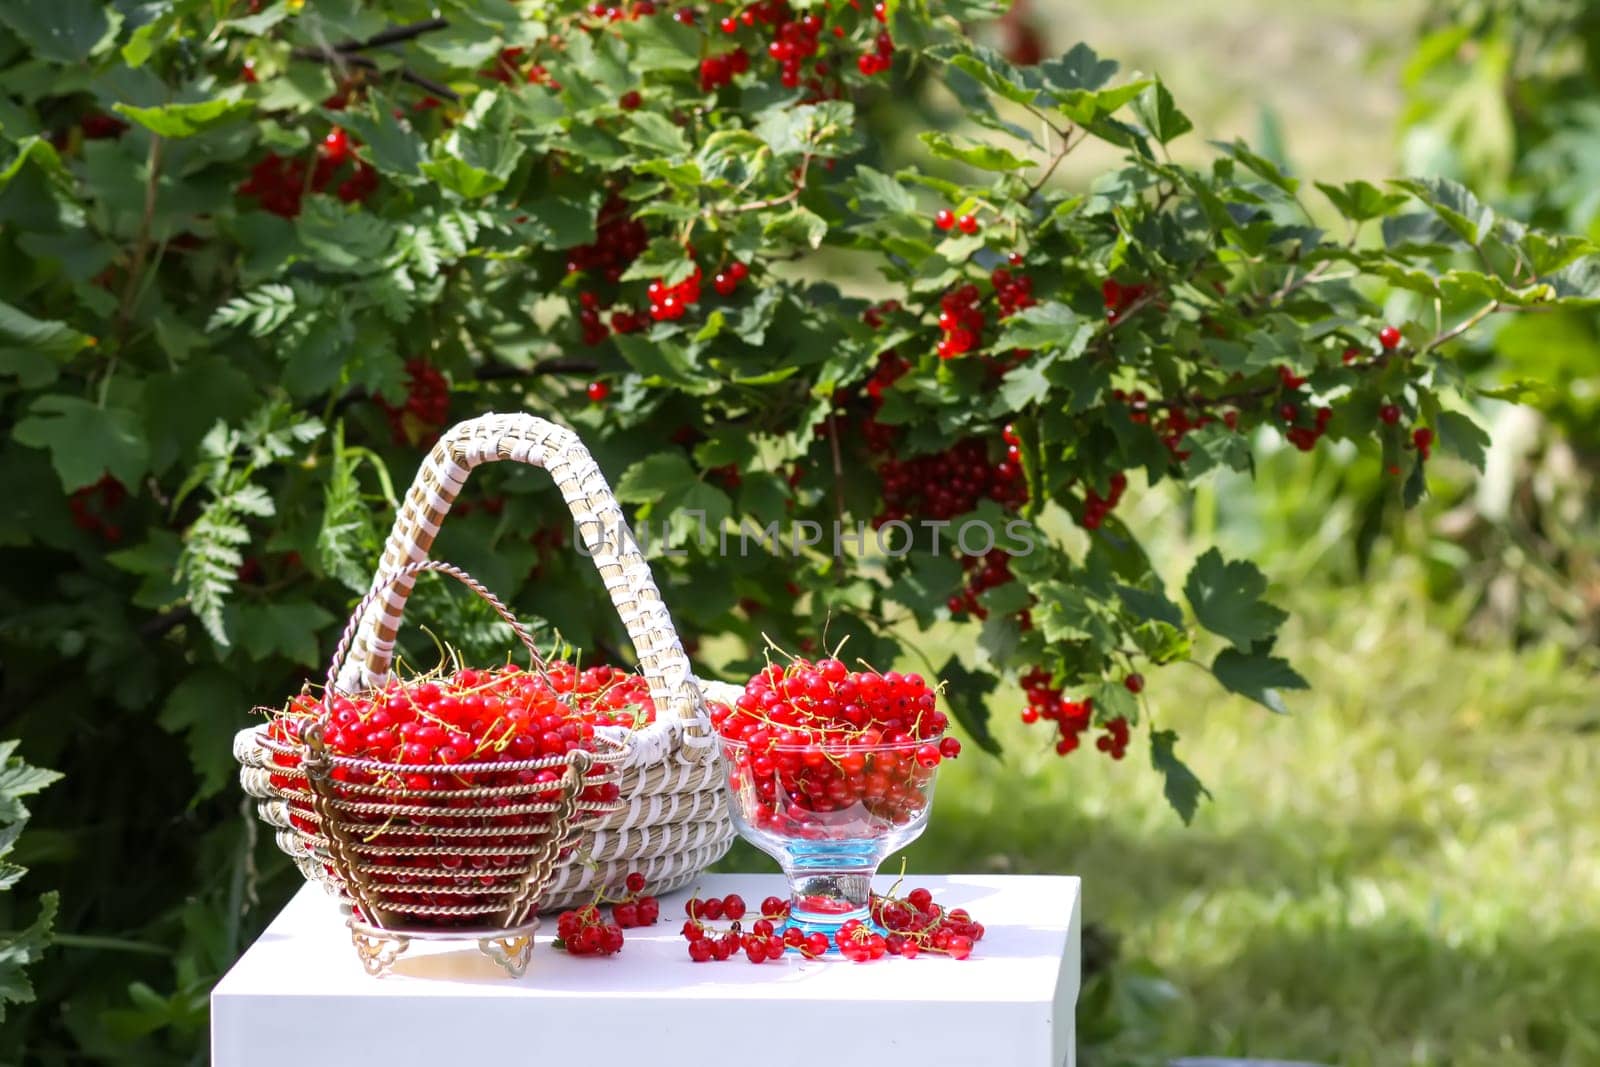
(299, 995)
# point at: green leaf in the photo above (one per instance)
(1049, 325)
(1151, 605)
(563, 221)
(1261, 166)
(1578, 283)
(1006, 599)
(1257, 676)
(798, 225)
(207, 708)
(24, 947)
(1416, 234)
(85, 441)
(1416, 484)
(1022, 385)
(1547, 253)
(1359, 201)
(994, 73)
(657, 134)
(663, 363)
(259, 23)
(791, 131)
(1080, 68)
(385, 143)
(137, 52)
(882, 193)
(980, 155)
(1460, 435)
(286, 628)
(1454, 203)
(264, 309)
(654, 477)
(19, 779)
(478, 157)
(663, 257)
(1214, 447)
(55, 339)
(661, 44)
(344, 237)
(186, 120)
(965, 693)
(34, 148)
(1226, 599)
(462, 178)
(61, 31)
(925, 584)
(1160, 115)
(1182, 789)
(1113, 701)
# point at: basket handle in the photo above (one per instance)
(600, 523)
(409, 573)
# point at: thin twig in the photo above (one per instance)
(778, 201)
(141, 253)
(345, 59)
(497, 371)
(1066, 147)
(394, 35)
(1462, 327)
(1293, 284)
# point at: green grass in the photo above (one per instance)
(1404, 871)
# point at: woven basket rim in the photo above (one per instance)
(615, 753)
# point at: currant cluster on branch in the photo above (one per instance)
(426, 408)
(1073, 718)
(93, 507)
(281, 183)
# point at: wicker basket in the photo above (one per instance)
(673, 821)
(466, 856)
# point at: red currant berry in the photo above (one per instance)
(1389, 413)
(598, 391)
(967, 224)
(1389, 337)
(944, 219)
(1134, 682)
(336, 146)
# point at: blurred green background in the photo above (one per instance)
(1404, 871)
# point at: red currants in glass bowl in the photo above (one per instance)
(830, 770)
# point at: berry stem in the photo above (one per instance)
(1462, 327)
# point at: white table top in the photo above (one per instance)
(298, 996)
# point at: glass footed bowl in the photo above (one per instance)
(829, 814)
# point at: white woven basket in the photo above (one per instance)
(674, 820)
